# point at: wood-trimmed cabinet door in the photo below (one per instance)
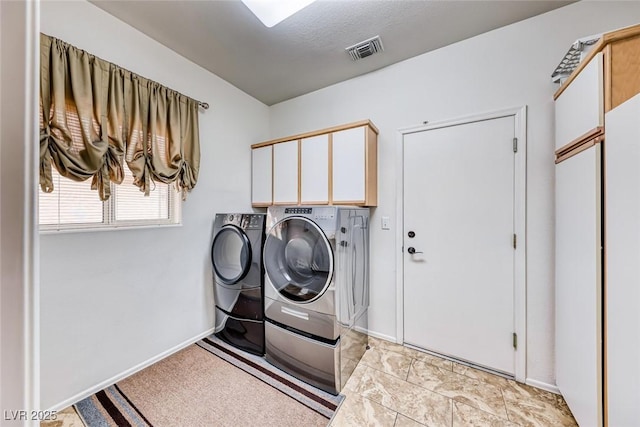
(354, 167)
(580, 108)
(262, 176)
(314, 170)
(579, 285)
(286, 175)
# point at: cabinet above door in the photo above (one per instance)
(606, 77)
(580, 108)
(337, 165)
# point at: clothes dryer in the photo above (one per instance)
(236, 257)
(316, 291)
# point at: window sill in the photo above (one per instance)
(102, 228)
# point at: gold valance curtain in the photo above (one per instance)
(95, 116)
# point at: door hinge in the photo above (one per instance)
(515, 145)
(515, 241)
(515, 341)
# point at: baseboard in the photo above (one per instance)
(361, 330)
(91, 390)
(541, 385)
(381, 336)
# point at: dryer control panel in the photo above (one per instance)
(244, 221)
(254, 221)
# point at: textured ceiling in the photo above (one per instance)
(306, 51)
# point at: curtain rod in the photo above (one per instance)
(204, 105)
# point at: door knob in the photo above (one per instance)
(412, 250)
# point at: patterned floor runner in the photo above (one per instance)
(314, 398)
(207, 384)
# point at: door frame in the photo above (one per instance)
(19, 236)
(520, 187)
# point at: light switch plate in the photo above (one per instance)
(386, 223)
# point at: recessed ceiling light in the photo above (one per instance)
(271, 12)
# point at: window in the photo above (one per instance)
(104, 126)
(74, 205)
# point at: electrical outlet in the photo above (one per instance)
(386, 223)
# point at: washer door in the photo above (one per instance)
(231, 254)
(298, 259)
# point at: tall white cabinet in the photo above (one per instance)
(598, 234)
(623, 263)
(334, 166)
(579, 350)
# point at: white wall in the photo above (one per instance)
(18, 240)
(506, 67)
(113, 300)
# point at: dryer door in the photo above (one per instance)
(298, 259)
(231, 254)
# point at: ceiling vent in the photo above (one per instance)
(365, 48)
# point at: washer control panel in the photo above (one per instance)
(298, 211)
(324, 216)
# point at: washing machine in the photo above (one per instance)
(316, 262)
(236, 257)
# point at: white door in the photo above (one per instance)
(459, 208)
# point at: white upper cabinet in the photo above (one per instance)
(262, 176)
(314, 170)
(354, 172)
(337, 165)
(349, 148)
(285, 173)
(580, 108)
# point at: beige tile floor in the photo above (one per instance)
(398, 386)
(65, 418)
(401, 387)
